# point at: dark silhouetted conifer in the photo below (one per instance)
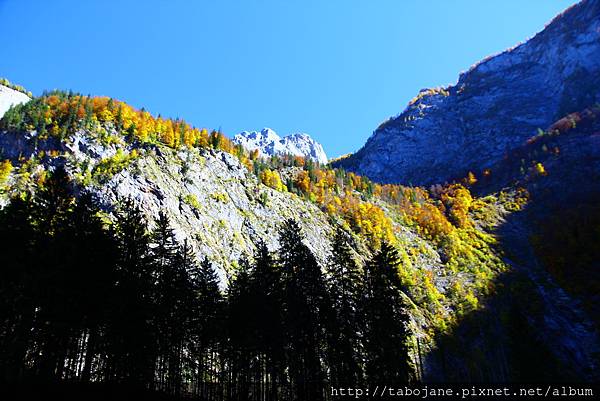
(344, 331)
(384, 319)
(304, 302)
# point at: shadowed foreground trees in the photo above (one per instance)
(86, 301)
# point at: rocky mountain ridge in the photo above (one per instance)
(269, 143)
(494, 107)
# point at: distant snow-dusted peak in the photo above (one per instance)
(266, 135)
(269, 143)
(10, 97)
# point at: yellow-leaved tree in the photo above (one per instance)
(5, 169)
(272, 179)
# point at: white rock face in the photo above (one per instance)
(9, 97)
(269, 143)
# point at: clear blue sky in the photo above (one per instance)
(333, 69)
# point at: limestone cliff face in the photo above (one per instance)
(10, 97)
(493, 108)
(210, 197)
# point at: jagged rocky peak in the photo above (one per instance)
(493, 108)
(269, 143)
(10, 97)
